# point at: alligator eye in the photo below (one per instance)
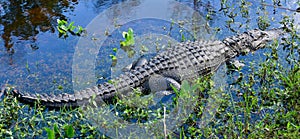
(262, 36)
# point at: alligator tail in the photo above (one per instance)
(79, 98)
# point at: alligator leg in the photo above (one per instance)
(141, 61)
(234, 64)
(160, 88)
(158, 84)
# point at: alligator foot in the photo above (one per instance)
(161, 88)
(158, 83)
(235, 64)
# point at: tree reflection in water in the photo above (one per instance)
(24, 20)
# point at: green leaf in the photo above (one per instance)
(130, 31)
(182, 37)
(185, 88)
(129, 38)
(123, 43)
(185, 85)
(113, 57)
(130, 35)
(50, 132)
(115, 49)
(55, 128)
(63, 27)
(174, 89)
(64, 22)
(61, 22)
(69, 131)
(71, 27)
(60, 87)
(79, 30)
(61, 31)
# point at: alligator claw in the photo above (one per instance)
(235, 64)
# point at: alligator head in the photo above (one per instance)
(252, 40)
(260, 38)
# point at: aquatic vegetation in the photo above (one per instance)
(64, 28)
(129, 38)
(55, 133)
(113, 57)
(115, 49)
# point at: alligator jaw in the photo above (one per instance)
(260, 38)
(252, 40)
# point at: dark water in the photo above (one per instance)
(34, 59)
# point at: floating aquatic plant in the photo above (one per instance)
(64, 28)
(129, 38)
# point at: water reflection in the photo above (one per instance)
(25, 20)
(100, 5)
(26, 26)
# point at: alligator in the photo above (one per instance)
(184, 61)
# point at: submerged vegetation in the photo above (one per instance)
(261, 99)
